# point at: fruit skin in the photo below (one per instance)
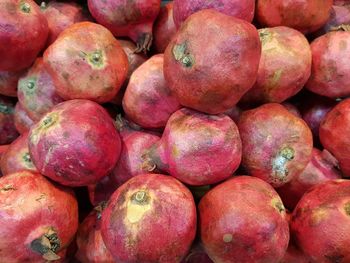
(164, 28)
(17, 157)
(33, 206)
(86, 62)
(323, 216)
(197, 254)
(292, 109)
(340, 15)
(330, 65)
(8, 132)
(91, 247)
(23, 35)
(36, 91)
(341, 2)
(151, 218)
(305, 16)
(239, 9)
(22, 121)
(285, 65)
(334, 137)
(133, 19)
(75, 144)
(321, 168)
(197, 72)
(190, 141)
(276, 144)
(8, 82)
(243, 220)
(148, 100)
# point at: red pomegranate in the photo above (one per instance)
(189, 143)
(39, 219)
(151, 218)
(292, 109)
(341, 2)
(23, 34)
(8, 82)
(36, 91)
(294, 255)
(164, 28)
(321, 222)
(133, 19)
(330, 65)
(86, 62)
(240, 9)
(148, 100)
(334, 137)
(243, 220)
(75, 144)
(196, 70)
(197, 254)
(285, 65)
(8, 132)
(22, 121)
(102, 190)
(17, 158)
(277, 145)
(340, 16)
(321, 168)
(234, 113)
(305, 16)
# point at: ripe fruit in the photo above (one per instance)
(8, 82)
(22, 121)
(198, 73)
(8, 132)
(75, 144)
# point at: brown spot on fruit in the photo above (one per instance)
(347, 208)
(182, 54)
(25, 7)
(280, 162)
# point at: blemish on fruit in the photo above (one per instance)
(227, 238)
(181, 53)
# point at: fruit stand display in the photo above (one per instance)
(183, 131)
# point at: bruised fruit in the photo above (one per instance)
(164, 28)
(330, 65)
(239, 9)
(148, 100)
(196, 148)
(17, 157)
(22, 121)
(91, 248)
(86, 62)
(75, 144)
(334, 132)
(36, 91)
(305, 16)
(23, 33)
(321, 168)
(8, 82)
(133, 19)
(243, 220)
(8, 132)
(277, 145)
(39, 219)
(203, 66)
(321, 222)
(285, 65)
(151, 218)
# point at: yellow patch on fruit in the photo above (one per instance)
(138, 205)
(318, 215)
(45, 124)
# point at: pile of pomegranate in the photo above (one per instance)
(185, 131)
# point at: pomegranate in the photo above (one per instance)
(91, 247)
(8, 82)
(234, 113)
(17, 157)
(133, 19)
(240, 9)
(164, 28)
(294, 255)
(75, 144)
(323, 216)
(196, 70)
(330, 65)
(334, 137)
(8, 132)
(22, 121)
(86, 62)
(285, 65)
(189, 143)
(341, 2)
(102, 190)
(292, 109)
(243, 220)
(277, 145)
(340, 16)
(321, 168)
(148, 100)
(60, 16)
(39, 219)
(23, 34)
(197, 254)
(151, 218)
(36, 91)
(305, 16)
